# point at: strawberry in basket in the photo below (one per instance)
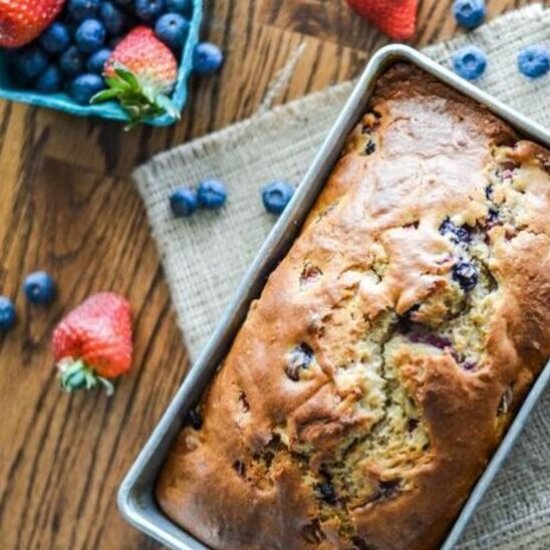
(140, 74)
(21, 21)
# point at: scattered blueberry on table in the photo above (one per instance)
(469, 13)
(276, 196)
(470, 62)
(7, 314)
(207, 58)
(211, 194)
(183, 202)
(39, 288)
(534, 61)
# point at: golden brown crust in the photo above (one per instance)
(375, 376)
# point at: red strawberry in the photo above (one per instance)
(140, 73)
(93, 343)
(21, 21)
(396, 18)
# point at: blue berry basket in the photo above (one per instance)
(110, 110)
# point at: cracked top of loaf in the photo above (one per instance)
(374, 377)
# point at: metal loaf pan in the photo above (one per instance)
(136, 496)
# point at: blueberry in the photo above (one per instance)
(389, 488)
(211, 194)
(31, 62)
(172, 29)
(149, 9)
(50, 81)
(183, 202)
(327, 492)
(470, 62)
(465, 274)
(493, 218)
(436, 340)
(193, 419)
(55, 38)
(457, 234)
(90, 35)
(81, 9)
(39, 288)
(207, 58)
(7, 313)
(534, 61)
(183, 7)
(299, 358)
(71, 61)
(469, 13)
(96, 62)
(276, 196)
(113, 18)
(85, 86)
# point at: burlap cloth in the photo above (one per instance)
(204, 257)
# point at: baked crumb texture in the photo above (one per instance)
(375, 376)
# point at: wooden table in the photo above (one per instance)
(68, 206)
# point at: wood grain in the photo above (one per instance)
(68, 206)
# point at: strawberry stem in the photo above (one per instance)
(139, 100)
(74, 374)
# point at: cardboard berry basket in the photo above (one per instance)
(110, 110)
(136, 497)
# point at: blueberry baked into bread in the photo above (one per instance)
(375, 376)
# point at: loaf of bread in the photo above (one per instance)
(389, 350)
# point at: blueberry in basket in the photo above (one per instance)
(90, 35)
(86, 86)
(50, 81)
(56, 38)
(113, 18)
(172, 29)
(149, 9)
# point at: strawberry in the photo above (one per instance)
(396, 18)
(93, 343)
(140, 73)
(21, 21)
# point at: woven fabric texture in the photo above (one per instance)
(204, 257)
